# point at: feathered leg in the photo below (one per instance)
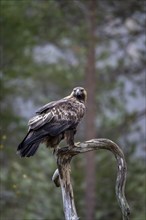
(69, 135)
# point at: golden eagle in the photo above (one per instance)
(53, 122)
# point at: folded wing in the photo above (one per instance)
(51, 121)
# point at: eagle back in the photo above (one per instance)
(70, 110)
(67, 112)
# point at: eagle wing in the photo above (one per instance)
(50, 105)
(52, 122)
(55, 117)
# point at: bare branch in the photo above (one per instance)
(55, 178)
(62, 174)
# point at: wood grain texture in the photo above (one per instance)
(62, 174)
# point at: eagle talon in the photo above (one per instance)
(77, 144)
(54, 122)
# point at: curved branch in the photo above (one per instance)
(55, 178)
(64, 156)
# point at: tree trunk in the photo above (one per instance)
(90, 132)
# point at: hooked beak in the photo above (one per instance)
(78, 92)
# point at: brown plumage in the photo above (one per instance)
(53, 122)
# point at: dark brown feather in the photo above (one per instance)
(53, 122)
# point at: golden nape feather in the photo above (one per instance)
(53, 122)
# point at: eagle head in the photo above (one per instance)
(79, 93)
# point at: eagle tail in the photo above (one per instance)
(29, 145)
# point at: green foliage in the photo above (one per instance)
(26, 188)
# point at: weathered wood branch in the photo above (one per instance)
(61, 176)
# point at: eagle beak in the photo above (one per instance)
(78, 92)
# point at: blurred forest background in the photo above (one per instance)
(47, 48)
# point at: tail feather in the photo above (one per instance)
(31, 142)
(33, 149)
(29, 145)
(29, 150)
(23, 143)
